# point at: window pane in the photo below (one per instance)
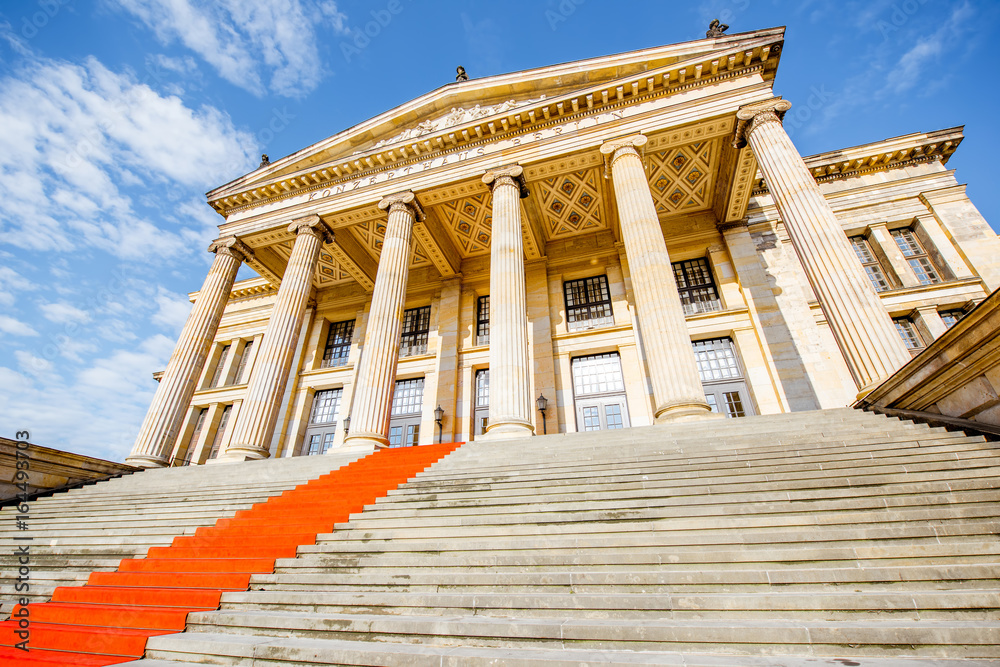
(338, 344)
(244, 358)
(696, 286)
(716, 359)
(588, 303)
(314, 444)
(598, 374)
(613, 415)
(916, 257)
(710, 399)
(483, 388)
(408, 397)
(328, 442)
(483, 320)
(217, 377)
(951, 317)
(868, 260)
(591, 419)
(220, 432)
(416, 326)
(395, 436)
(908, 333)
(734, 404)
(326, 404)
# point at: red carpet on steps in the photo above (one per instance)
(107, 620)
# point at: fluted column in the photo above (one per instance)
(377, 374)
(677, 390)
(511, 402)
(258, 415)
(173, 396)
(863, 329)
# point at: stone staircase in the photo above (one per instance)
(833, 537)
(91, 529)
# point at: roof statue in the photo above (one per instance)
(264, 161)
(462, 75)
(716, 29)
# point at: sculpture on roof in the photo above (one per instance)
(462, 75)
(716, 29)
(264, 161)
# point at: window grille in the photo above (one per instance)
(483, 320)
(951, 317)
(217, 376)
(483, 388)
(338, 344)
(696, 286)
(416, 327)
(716, 359)
(588, 303)
(407, 397)
(597, 374)
(908, 332)
(870, 263)
(220, 432)
(320, 443)
(244, 359)
(916, 256)
(325, 406)
(193, 442)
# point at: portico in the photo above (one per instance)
(600, 239)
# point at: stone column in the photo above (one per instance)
(173, 396)
(863, 330)
(377, 375)
(511, 403)
(255, 425)
(677, 390)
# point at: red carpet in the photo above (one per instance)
(107, 620)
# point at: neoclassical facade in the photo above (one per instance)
(608, 243)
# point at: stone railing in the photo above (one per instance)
(957, 376)
(50, 469)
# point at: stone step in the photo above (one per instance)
(225, 649)
(973, 639)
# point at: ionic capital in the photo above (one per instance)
(752, 116)
(314, 225)
(511, 174)
(233, 247)
(403, 201)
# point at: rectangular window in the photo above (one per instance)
(220, 432)
(416, 327)
(325, 406)
(483, 320)
(915, 256)
(908, 332)
(598, 374)
(951, 317)
(716, 359)
(217, 376)
(870, 263)
(408, 397)
(242, 368)
(338, 344)
(588, 303)
(193, 442)
(320, 443)
(696, 286)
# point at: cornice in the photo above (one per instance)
(892, 153)
(738, 60)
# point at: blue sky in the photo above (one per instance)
(116, 116)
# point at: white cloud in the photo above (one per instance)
(911, 68)
(15, 327)
(244, 40)
(63, 313)
(76, 134)
(32, 364)
(172, 310)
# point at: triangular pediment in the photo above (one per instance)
(470, 111)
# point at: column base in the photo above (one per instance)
(508, 431)
(242, 453)
(684, 412)
(146, 461)
(867, 389)
(364, 441)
